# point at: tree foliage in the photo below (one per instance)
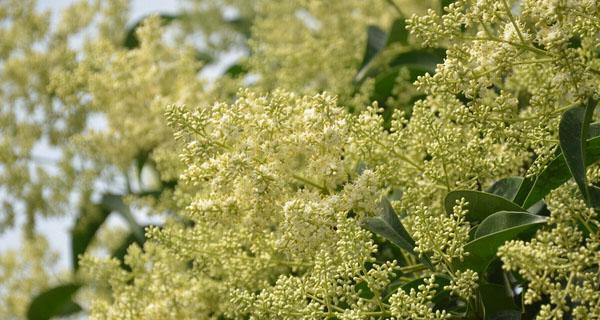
(362, 159)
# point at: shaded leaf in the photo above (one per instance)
(480, 204)
(524, 190)
(424, 58)
(385, 81)
(54, 302)
(376, 40)
(363, 290)
(398, 32)
(445, 3)
(389, 226)
(594, 130)
(497, 304)
(573, 131)
(90, 218)
(557, 173)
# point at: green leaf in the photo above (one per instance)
(573, 132)
(524, 190)
(493, 232)
(557, 173)
(91, 217)
(389, 226)
(363, 290)
(497, 304)
(131, 41)
(54, 302)
(398, 32)
(481, 204)
(503, 220)
(507, 188)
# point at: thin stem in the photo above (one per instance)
(513, 21)
(401, 156)
(486, 29)
(524, 62)
(514, 120)
(437, 138)
(203, 135)
(585, 224)
(518, 45)
(321, 301)
(413, 268)
(309, 182)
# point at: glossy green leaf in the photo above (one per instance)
(389, 227)
(497, 304)
(557, 172)
(89, 220)
(54, 302)
(573, 131)
(524, 190)
(507, 188)
(481, 204)
(499, 228)
(504, 220)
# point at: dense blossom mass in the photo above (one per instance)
(268, 178)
